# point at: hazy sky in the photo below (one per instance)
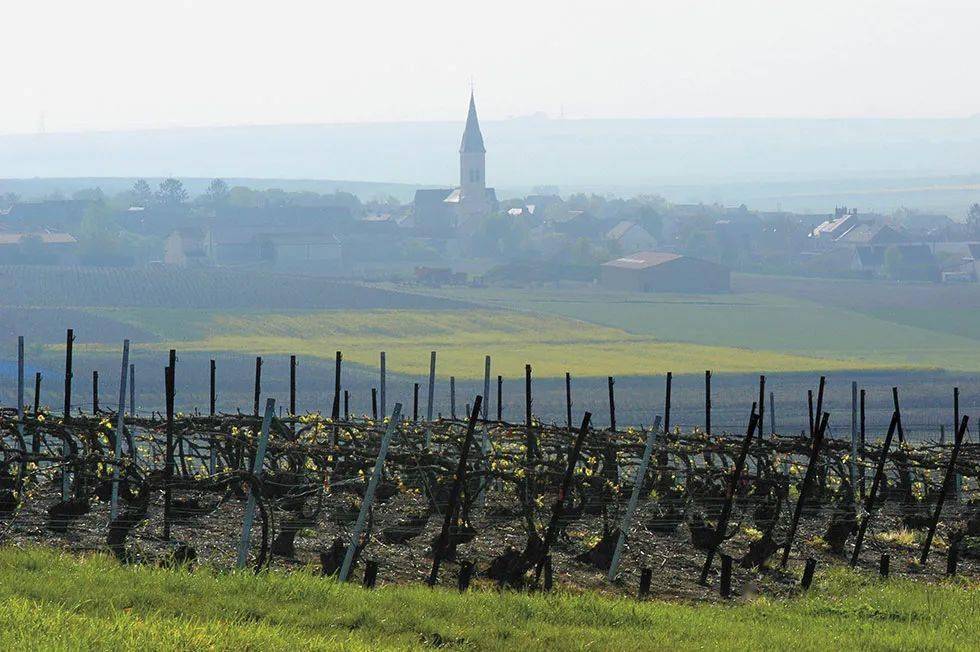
(107, 64)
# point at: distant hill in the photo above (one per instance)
(799, 164)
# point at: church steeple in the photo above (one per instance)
(472, 165)
(472, 138)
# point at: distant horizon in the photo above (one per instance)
(541, 116)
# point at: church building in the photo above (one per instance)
(441, 211)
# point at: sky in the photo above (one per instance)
(133, 64)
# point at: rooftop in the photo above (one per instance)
(643, 260)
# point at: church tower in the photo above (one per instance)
(472, 165)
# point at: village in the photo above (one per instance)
(467, 235)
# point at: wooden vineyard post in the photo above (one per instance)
(957, 479)
(335, 412)
(432, 388)
(20, 402)
(870, 501)
(257, 389)
(772, 413)
(292, 385)
(270, 408)
(465, 575)
(646, 576)
(214, 395)
(66, 449)
(120, 432)
(863, 422)
(430, 397)
(568, 400)
(809, 405)
(415, 404)
(35, 436)
(212, 400)
(37, 393)
(362, 515)
(805, 489)
(906, 474)
(707, 403)
(725, 586)
(528, 419)
(458, 478)
(726, 510)
(452, 397)
(481, 498)
(132, 393)
(852, 466)
(559, 507)
(374, 403)
(370, 574)
(346, 405)
(168, 464)
(762, 405)
(612, 404)
(816, 415)
(807, 580)
(947, 483)
(500, 398)
(95, 392)
(634, 498)
(381, 387)
(486, 396)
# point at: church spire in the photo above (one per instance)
(472, 138)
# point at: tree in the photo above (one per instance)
(973, 219)
(171, 192)
(142, 193)
(98, 235)
(217, 193)
(89, 194)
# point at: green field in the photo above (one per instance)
(768, 324)
(50, 600)
(869, 324)
(553, 345)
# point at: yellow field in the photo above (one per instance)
(552, 345)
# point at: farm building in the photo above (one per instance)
(37, 247)
(630, 237)
(654, 271)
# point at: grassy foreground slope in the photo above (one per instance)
(552, 344)
(49, 600)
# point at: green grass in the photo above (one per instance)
(53, 601)
(870, 334)
(552, 344)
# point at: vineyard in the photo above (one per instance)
(213, 289)
(396, 498)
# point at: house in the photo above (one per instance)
(655, 271)
(59, 215)
(38, 247)
(578, 224)
(185, 247)
(437, 276)
(630, 237)
(843, 221)
(912, 262)
(283, 249)
(875, 235)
